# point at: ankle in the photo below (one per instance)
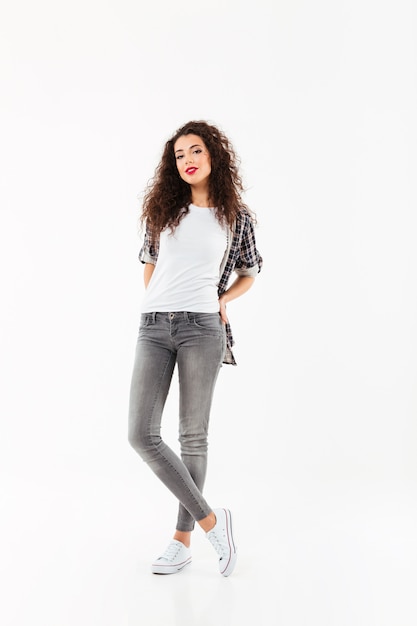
(208, 523)
(183, 536)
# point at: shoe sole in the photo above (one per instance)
(169, 569)
(230, 565)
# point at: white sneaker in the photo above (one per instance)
(175, 557)
(221, 536)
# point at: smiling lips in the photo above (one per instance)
(191, 170)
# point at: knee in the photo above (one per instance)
(136, 439)
(141, 442)
(193, 445)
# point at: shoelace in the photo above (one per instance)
(219, 544)
(171, 552)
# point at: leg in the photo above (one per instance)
(200, 355)
(151, 378)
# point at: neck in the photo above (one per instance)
(201, 201)
(200, 198)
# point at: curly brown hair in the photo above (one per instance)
(167, 197)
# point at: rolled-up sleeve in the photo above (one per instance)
(249, 261)
(148, 252)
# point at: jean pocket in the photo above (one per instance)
(146, 319)
(208, 321)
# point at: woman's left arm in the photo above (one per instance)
(240, 286)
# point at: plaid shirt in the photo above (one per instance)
(242, 258)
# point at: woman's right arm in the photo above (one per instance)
(147, 273)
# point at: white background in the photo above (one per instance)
(313, 436)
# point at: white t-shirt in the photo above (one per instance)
(186, 274)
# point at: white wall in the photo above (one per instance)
(319, 100)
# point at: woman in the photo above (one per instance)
(198, 232)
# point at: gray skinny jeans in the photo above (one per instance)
(196, 342)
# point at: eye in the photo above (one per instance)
(179, 156)
(197, 151)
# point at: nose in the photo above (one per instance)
(189, 158)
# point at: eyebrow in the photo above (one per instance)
(190, 148)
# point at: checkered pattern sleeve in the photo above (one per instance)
(248, 261)
(148, 252)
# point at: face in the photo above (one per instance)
(193, 159)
